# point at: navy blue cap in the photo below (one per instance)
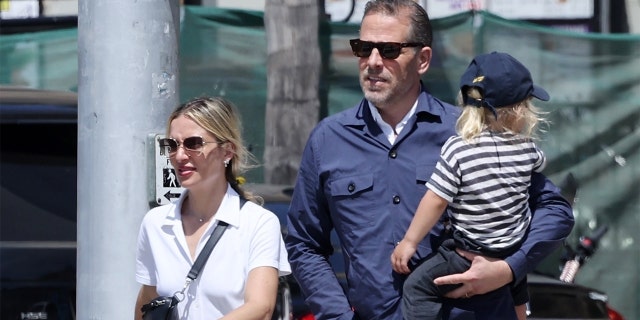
(502, 80)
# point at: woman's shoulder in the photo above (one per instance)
(257, 210)
(256, 214)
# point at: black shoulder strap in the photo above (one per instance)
(208, 247)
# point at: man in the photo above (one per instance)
(363, 173)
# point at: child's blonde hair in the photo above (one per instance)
(521, 118)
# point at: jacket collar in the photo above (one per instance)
(428, 106)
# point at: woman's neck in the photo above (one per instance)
(203, 204)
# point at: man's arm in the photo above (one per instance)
(551, 222)
(309, 245)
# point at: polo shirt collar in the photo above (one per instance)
(229, 210)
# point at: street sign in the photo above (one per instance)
(168, 187)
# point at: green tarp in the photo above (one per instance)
(594, 113)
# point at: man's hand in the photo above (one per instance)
(485, 275)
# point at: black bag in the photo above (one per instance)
(161, 308)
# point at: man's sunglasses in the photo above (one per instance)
(388, 50)
(169, 146)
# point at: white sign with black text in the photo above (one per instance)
(168, 187)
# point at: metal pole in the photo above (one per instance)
(127, 85)
(605, 11)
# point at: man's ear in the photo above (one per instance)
(424, 59)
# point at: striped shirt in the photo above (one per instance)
(486, 184)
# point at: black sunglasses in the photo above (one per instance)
(388, 50)
(169, 146)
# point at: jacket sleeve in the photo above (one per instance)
(551, 222)
(309, 244)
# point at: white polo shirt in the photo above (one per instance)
(252, 239)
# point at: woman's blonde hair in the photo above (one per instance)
(474, 120)
(221, 119)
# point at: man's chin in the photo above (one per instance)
(375, 97)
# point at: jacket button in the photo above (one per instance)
(396, 199)
(393, 154)
(351, 187)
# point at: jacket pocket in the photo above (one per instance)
(351, 186)
(353, 199)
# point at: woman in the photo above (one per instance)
(240, 279)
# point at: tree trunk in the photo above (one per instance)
(293, 75)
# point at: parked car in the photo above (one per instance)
(38, 140)
(551, 298)
(37, 204)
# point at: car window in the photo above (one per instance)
(38, 180)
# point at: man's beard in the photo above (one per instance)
(376, 95)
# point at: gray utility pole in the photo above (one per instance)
(127, 86)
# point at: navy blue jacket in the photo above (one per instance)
(353, 180)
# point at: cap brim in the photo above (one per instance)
(540, 93)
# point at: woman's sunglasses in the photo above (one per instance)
(387, 50)
(169, 146)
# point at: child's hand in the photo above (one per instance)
(401, 256)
